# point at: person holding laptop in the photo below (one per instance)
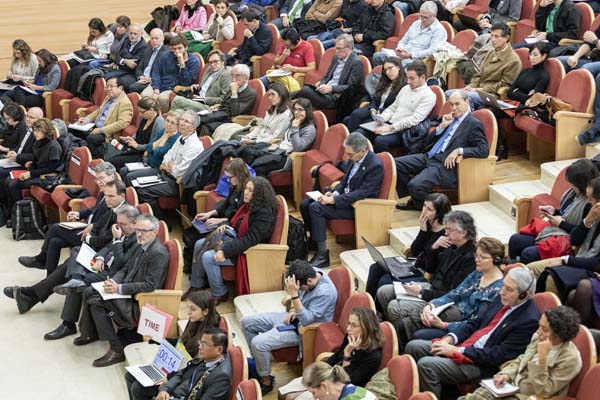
(207, 376)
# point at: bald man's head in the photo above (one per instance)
(157, 38)
(33, 114)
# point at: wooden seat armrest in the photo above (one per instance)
(373, 202)
(141, 297)
(569, 124)
(242, 119)
(81, 112)
(503, 92)
(378, 44)
(299, 76)
(309, 334)
(67, 187)
(522, 207)
(566, 41)
(200, 196)
(255, 60)
(474, 177)
(372, 219)
(297, 160)
(181, 88)
(28, 164)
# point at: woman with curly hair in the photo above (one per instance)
(23, 63)
(252, 224)
(392, 80)
(549, 363)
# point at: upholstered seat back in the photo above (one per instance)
(173, 269)
(404, 376)
(490, 127)
(577, 89)
(280, 231)
(587, 350)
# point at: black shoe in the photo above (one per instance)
(30, 262)
(82, 341)
(9, 291)
(320, 259)
(60, 332)
(264, 389)
(312, 245)
(410, 205)
(71, 287)
(111, 357)
(24, 302)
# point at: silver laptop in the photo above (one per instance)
(398, 269)
(167, 360)
(490, 100)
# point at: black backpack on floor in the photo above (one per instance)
(28, 220)
(297, 241)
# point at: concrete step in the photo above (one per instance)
(550, 170)
(592, 150)
(503, 195)
(360, 260)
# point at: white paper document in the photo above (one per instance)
(85, 256)
(99, 286)
(82, 127)
(438, 310)
(315, 195)
(6, 163)
(73, 225)
(134, 166)
(506, 390)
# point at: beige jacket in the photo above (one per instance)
(118, 118)
(324, 10)
(499, 69)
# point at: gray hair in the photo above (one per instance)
(128, 211)
(524, 279)
(151, 219)
(241, 69)
(194, 116)
(348, 40)
(158, 30)
(106, 167)
(463, 94)
(429, 7)
(60, 126)
(137, 26)
(464, 222)
(357, 141)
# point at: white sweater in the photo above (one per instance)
(410, 107)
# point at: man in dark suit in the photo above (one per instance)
(459, 135)
(22, 152)
(477, 349)
(212, 359)
(99, 237)
(363, 180)
(58, 237)
(257, 40)
(144, 271)
(132, 52)
(107, 262)
(140, 79)
(345, 71)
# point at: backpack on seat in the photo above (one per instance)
(28, 220)
(297, 241)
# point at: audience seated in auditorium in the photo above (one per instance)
(106, 263)
(326, 382)
(555, 20)
(473, 59)
(352, 12)
(295, 56)
(290, 11)
(585, 263)
(251, 224)
(392, 79)
(214, 87)
(114, 114)
(127, 59)
(131, 149)
(138, 80)
(237, 175)
(459, 134)
(22, 151)
(239, 102)
(144, 271)
(363, 180)
(23, 64)
(299, 136)
(207, 376)
(505, 11)
(402, 123)
(266, 130)
(316, 18)
(46, 79)
(450, 260)
(477, 349)
(120, 30)
(159, 145)
(471, 298)
(97, 235)
(192, 18)
(377, 23)
(549, 363)
(523, 247)
(220, 26)
(422, 38)
(313, 297)
(174, 164)
(172, 68)
(47, 153)
(98, 43)
(257, 40)
(499, 69)
(345, 73)
(14, 127)
(431, 228)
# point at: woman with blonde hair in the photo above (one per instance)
(23, 64)
(325, 382)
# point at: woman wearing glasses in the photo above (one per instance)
(264, 158)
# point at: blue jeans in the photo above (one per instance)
(404, 7)
(474, 98)
(262, 337)
(208, 269)
(265, 81)
(97, 63)
(322, 36)
(592, 66)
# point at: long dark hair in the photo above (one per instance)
(48, 58)
(97, 24)
(385, 82)
(284, 95)
(192, 10)
(194, 330)
(264, 195)
(308, 108)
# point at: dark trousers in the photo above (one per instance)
(87, 326)
(318, 100)
(315, 216)
(73, 301)
(24, 98)
(137, 391)
(357, 117)
(523, 246)
(57, 239)
(103, 322)
(367, 48)
(44, 288)
(97, 144)
(377, 278)
(383, 143)
(151, 194)
(417, 175)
